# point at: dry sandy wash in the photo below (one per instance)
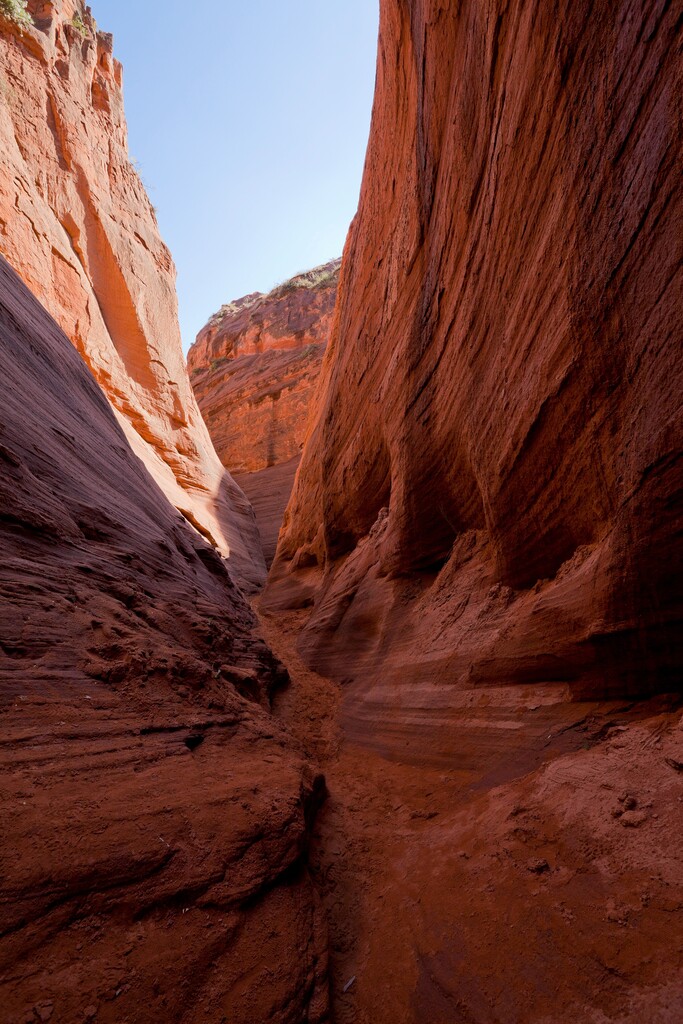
(432, 773)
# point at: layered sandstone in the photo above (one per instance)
(532, 874)
(155, 818)
(491, 493)
(269, 491)
(254, 369)
(484, 539)
(78, 226)
(255, 365)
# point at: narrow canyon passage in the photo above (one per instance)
(388, 728)
(538, 887)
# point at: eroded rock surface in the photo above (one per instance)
(255, 365)
(254, 369)
(155, 818)
(532, 876)
(269, 491)
(78, 226)
(491, 493)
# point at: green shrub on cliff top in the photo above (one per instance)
(16, 11)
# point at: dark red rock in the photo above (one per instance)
(135, 875)
(492, 487)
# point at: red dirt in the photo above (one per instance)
(497, 889)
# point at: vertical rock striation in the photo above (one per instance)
(76, 223)
(491, 492)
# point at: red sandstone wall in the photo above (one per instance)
(492, 490)
(139, 760)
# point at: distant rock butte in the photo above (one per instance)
(255, 365)
(491, 490)
(78, 226)
(254, 369)
(155, 815)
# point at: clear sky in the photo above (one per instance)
(249, 120)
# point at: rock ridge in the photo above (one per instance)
(254, 368)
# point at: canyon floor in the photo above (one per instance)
(544, 888)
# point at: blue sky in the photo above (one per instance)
(249, 122)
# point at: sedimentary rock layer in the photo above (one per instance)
(255, 366)
(76, 223)
(155, 818)
(491, 493)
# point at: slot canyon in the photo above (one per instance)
(341, 664)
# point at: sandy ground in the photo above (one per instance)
(546, 893)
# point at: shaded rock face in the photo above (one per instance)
(76, 223)
(155, 818)
(491, 492)
(269, 491)
(255, 365)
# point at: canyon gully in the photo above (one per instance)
(430, 769)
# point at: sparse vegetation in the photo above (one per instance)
(79, 24)
(229, 308)
(17, 12)
(319, 277)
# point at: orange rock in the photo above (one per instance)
(491, 492)
(78, 226)
(255, 365)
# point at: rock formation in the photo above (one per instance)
(155, 818)
(254, 369)
(491, 493)
(484, 537)
(76, 223)
(483, 546)
(255, 365)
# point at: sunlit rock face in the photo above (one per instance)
(254, 369)
(78, 226)
(156, 817)
(255, 365)
(491, 492)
